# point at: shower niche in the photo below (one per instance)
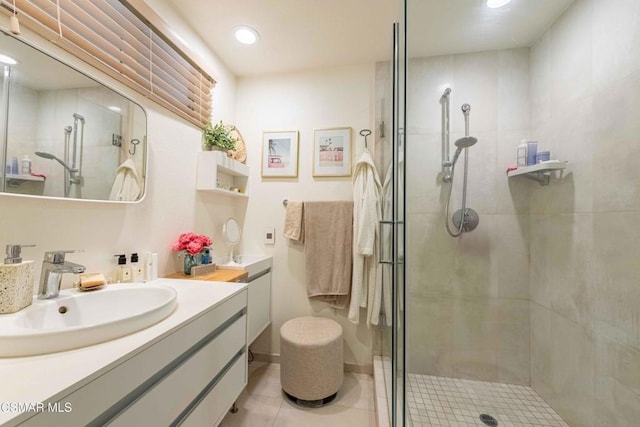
(540, 172)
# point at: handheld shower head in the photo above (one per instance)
(466, 142)
(50, 156)
(462, 143)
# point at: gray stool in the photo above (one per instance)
(311, 366)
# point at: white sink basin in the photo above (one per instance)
(78, 319)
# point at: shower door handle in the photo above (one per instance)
(381, 225)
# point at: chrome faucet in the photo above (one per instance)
(53, 267)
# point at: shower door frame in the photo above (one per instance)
(398, 236)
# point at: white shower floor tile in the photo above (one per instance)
(442, 401)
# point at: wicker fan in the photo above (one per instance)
(240, 153)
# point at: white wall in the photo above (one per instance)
(474, 290)
(171, 206)
(585, 298)
(301, 101)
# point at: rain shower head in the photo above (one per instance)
(466, 142)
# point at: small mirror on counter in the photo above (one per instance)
(232, 234)
(67, 135)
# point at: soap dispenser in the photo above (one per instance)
(137, 269)
(123, 272)
(16, 280)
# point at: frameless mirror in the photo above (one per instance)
(64, 134)
(231, 233)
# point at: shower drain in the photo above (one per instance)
(488, 420)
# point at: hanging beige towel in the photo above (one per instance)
(328, 234)
(293, 221)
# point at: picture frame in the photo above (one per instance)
(332, 152)
(280, 154)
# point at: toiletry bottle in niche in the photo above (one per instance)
(137, 269)
(532, 150)
(14, 166)
(522, 154)
(26, 165)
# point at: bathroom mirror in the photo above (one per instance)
(231, 233)
(65, 135)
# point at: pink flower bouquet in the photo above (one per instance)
(192, 243)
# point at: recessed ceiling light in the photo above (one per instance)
(7, 60)
(246, 35)
(494, 4)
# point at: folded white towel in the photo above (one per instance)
(293, 221)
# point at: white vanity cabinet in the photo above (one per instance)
(259, 273)
(191, 376)
(259, 310)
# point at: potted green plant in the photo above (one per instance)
(218, 137)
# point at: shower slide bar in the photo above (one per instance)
(446, 161)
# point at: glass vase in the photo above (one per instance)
(190, 261)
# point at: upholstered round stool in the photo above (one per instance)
(311, 368)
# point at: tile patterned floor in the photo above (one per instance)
(441, 401)
(263, 404)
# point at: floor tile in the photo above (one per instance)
(254, 411)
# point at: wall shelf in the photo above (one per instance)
(218, 173)
(540, 172)
(21, 178)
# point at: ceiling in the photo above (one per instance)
(304, 34)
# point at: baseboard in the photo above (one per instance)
(348, 367)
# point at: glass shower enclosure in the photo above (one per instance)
(532, 317)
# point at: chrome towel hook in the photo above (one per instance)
(133, 142)
(365, 133)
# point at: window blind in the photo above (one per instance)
(123, 39)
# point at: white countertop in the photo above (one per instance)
(50, 377)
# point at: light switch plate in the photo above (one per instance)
(270, 236)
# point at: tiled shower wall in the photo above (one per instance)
(585, 240)
(468, 298)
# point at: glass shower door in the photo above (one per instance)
(397, 265)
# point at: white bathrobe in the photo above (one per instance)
(126, 186)
(367, 211)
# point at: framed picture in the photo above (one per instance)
(332, 152)
(280, 154)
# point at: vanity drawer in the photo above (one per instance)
(167, 399)
(214, 406)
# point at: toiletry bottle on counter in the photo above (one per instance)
(16, 281)
(151, 266)
(522, 153)
(137, 269)
(122, 273)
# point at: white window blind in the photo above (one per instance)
(122, 39)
